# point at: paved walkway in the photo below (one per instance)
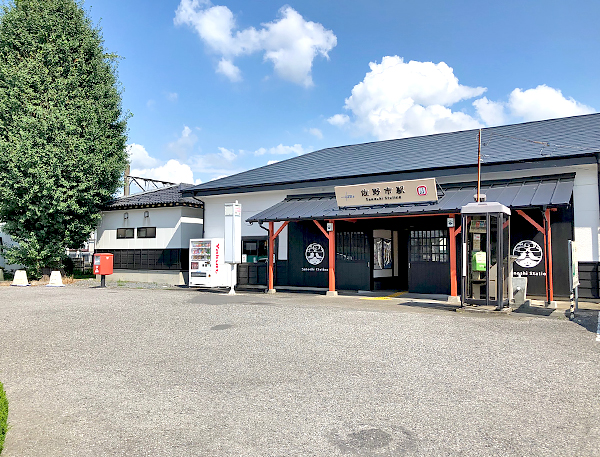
(138, 372)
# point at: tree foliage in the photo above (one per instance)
(62, 127)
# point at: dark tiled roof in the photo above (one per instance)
(525, 193)
(540, 140)
(166, 196)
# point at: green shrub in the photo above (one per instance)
(3, 416)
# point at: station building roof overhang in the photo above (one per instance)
(539, 192)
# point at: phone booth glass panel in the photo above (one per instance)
(486, 266)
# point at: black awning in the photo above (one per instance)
(519, 194)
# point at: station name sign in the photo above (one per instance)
(387, 193)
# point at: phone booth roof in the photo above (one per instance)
(484, 207)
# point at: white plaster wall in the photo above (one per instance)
(587, 214)
(192, 224)
(252, 203)
(173, 231)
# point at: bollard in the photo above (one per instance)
(20, 279)
(55, 280)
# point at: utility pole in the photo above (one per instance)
(479, 167)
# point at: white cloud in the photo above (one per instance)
(214, 164)
(227, 68)
(172, 96)
(139, 157)
(281, 149)
(143, 165)
(271, 162)
(399, 99)
(172, 171)
(544, 102)
(316, 132)
(339, 120)
(150, 104)
(492, 113)
(290, 42)
(183, 145)
(227, 154)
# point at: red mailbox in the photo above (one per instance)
(103, 264)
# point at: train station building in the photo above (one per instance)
(386, 214)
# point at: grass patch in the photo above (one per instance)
(3, 416)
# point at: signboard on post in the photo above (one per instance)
(387, 193)
(233, 239)
(233, 233)
(573, 265)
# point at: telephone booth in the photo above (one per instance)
(486, 266)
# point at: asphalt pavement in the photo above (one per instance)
(139, 372)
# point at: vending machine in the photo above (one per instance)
(207, 267)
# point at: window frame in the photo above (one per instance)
(146, 230)
(122, 233)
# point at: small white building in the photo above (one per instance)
(148, 233)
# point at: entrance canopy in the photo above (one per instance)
(546, 191)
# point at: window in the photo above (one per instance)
(428, 246)
(352, 246)
(255, 250)
(146, 232)
(124, 233)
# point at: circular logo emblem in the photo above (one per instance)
(528, 253)
(314, 253)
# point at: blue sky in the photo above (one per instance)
(218, 88)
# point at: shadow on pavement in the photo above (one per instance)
(534, 310)
(588, 319)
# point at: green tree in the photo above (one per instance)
(62, 128)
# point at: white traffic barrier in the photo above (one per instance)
(55, 280)
(20, 279)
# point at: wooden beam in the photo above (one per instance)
(271, 251)
(284, 225)
(452, 251)
(531, 221)
(331, 238)
(549, 256)
(322, 229)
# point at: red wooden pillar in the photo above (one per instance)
(271, 254)
(549, 256)
(332, 258)
(453, 276)
(331, 241)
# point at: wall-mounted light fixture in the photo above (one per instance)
(146, 214)
(125, 215)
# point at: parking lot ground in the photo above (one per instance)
(139, 372)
